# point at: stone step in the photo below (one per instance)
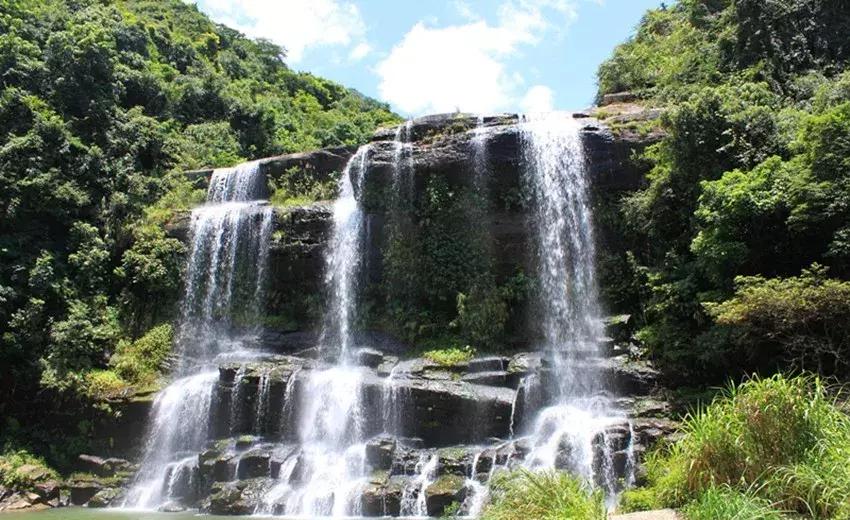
(487, 364)
(492, 378)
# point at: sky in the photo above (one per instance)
(435, 56)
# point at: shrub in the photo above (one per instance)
(481, 315)
(551, 495)
(104, 384)
(140, 361)
(300, 186)
(19, 469)
(450, 356)
(803, 320)
(639, 499)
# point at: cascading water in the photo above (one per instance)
(413, 497)
(343, 259)
(319, 419)
(569, 311)
(330, 416)
(223, 292)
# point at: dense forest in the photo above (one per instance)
(740, 243)
(103, 105)
(740, 250)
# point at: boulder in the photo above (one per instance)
(224, 468)
(444, 491)
(104, 498)
(446, 412)
(617, 97)
(255, 463)
(454, 461)
(83, 490)
(369, 357)
(628, 376)
(48, 491)
(487, 364)
(525, 363)
(182, 482)
(382, 495)
(236, 498)
(492, 378)
(379, 452)
(619, 327)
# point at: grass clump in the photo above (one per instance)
(551, 495)
(782, 440)
(450, 356)
(726, 503)
(639, 499)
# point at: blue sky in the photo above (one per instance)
(428, 56)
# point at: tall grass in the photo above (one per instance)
(726, 503)
(551, 495)
(782, 439)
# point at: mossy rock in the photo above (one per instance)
(446, 490)
(104, 497)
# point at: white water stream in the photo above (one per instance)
(224, 285)
(568, 302)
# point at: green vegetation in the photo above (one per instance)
(21, 469)
(752, 179)
(103, 105)
(778, 443)
(725, 503)
(450, 356)
(522, 494)
(439, 282)
(800, 322)
(141, 361)
(299, 186)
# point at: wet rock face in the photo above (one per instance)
(437, 146)
(467, 432)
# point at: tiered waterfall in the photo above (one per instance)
(344, 428)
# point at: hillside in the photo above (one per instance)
(739, 251)
(738, 258)
(103, 105)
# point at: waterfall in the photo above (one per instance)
(413, 497)
(568, 303)
(330, 414)
(479, 154)
(223, 292)
(343, 258)
(319, 421)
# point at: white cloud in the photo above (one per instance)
(537, 99)
(360, 51)
(295, 24)
(441, 69)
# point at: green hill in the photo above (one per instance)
(102, 104)
(741, 239)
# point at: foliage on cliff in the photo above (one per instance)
(102, 104)
(752, 179)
